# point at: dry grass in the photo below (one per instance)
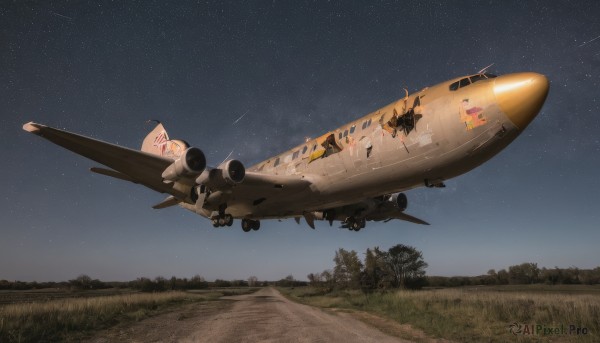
(474, 315)
(72, 319)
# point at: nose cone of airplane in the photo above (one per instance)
(521, 96)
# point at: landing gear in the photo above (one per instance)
(222, 220)
(354, 224)
(249, 224)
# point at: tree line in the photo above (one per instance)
(522, 274)
(401, 266)
(143, 284)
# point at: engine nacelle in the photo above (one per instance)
(190, 164)
(228, 174)
(400, 201)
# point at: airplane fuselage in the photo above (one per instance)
(457, 129)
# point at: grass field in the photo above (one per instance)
(479, 314)
(71, 318)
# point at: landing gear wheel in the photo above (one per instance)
(255, 225)
(222, 221)
(355, 226)
(228, 219)
(215, 222)
(246, 225)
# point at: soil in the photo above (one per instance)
(264, 316)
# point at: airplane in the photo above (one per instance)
(353, 174)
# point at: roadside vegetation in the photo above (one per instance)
(393, 284)
(63, 315)
(474, 314)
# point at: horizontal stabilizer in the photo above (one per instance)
(409, 218)
(168, 202)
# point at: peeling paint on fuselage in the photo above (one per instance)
(439, 148)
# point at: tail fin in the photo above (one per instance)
(157, 142)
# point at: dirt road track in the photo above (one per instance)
(264, 316)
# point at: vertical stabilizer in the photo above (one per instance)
(157, 142)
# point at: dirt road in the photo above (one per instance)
(264, 316)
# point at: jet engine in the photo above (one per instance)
(191, 163)
(228, 174)
(399, 200)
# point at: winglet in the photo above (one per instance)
(33, 128)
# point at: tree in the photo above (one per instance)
(288, 281)
(197, 282)
(524, 273)
(327, 278)
(253, 281)
(314, 279)
(502, 277)
(347, 270)
(81, 282)
(406, 266)
(374, 275)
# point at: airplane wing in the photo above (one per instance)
(257, 194)
(127, 164)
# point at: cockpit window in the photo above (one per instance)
(477, 77)
(464, 82)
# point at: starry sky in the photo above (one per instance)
(293, 69)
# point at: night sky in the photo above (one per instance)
(293, 69)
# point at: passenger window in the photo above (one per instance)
(454, 86)
(345, 133)
(276, 162)
(295, 156)
(340, 135)
(369, 123)
(364, 125)
(352, 128)
(464, 82)
(314, 148)
(304, 150)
